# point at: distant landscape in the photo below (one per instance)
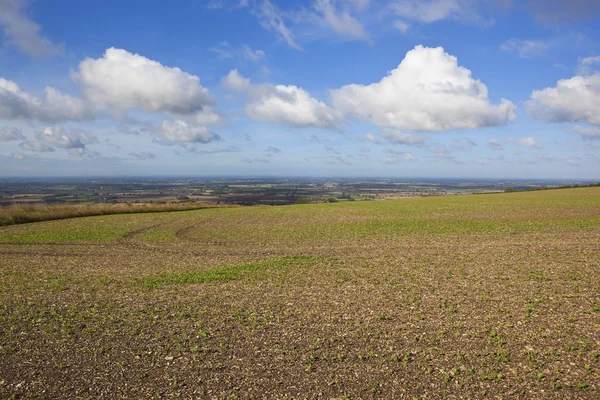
(249, 191)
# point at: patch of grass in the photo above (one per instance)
(229, 272)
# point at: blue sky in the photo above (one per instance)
(394, 88)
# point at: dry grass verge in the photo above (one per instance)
(21, 214)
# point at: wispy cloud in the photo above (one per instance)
(525, 48)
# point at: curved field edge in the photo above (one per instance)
(327, 224)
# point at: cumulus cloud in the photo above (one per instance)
(18, 156)
(9, 134)
(66, 139)
(397, 137)
(494, 144)
(179, 131)
(526, 141)
(207, 116)
(587, 132)
(120, 80)
(17, 104)
(35, 146)
(22, 32)
(428, 91)
(287, 104)
(235, 81)
(572, 100)
(525, 48)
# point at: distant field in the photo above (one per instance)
(480, 296)
(24, 213)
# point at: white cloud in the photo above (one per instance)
(35, 146)
(397, 137)
(572, 100)
(340, 21)
(225, 51)
(589, 133)
(22, 32)
(525, 48)
(401, 26)
(283, 103)
(17, 104)
(588, 65)
(252, 55)
(494, 144)
(66, 139)
(428, 91)
(398, 159)
(369, 137)
(121, 80)
(397, 155)
(429, 11)
(271, 18)
(526, 141)
(9, 134)
(235, 81)
(179, 131)
(208, 116)
(590, 60)
(77, 151)
(18, 156)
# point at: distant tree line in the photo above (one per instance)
(512, 190)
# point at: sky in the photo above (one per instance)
(346, 88)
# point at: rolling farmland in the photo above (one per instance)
(479, 296)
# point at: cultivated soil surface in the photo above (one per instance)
(483, 296)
